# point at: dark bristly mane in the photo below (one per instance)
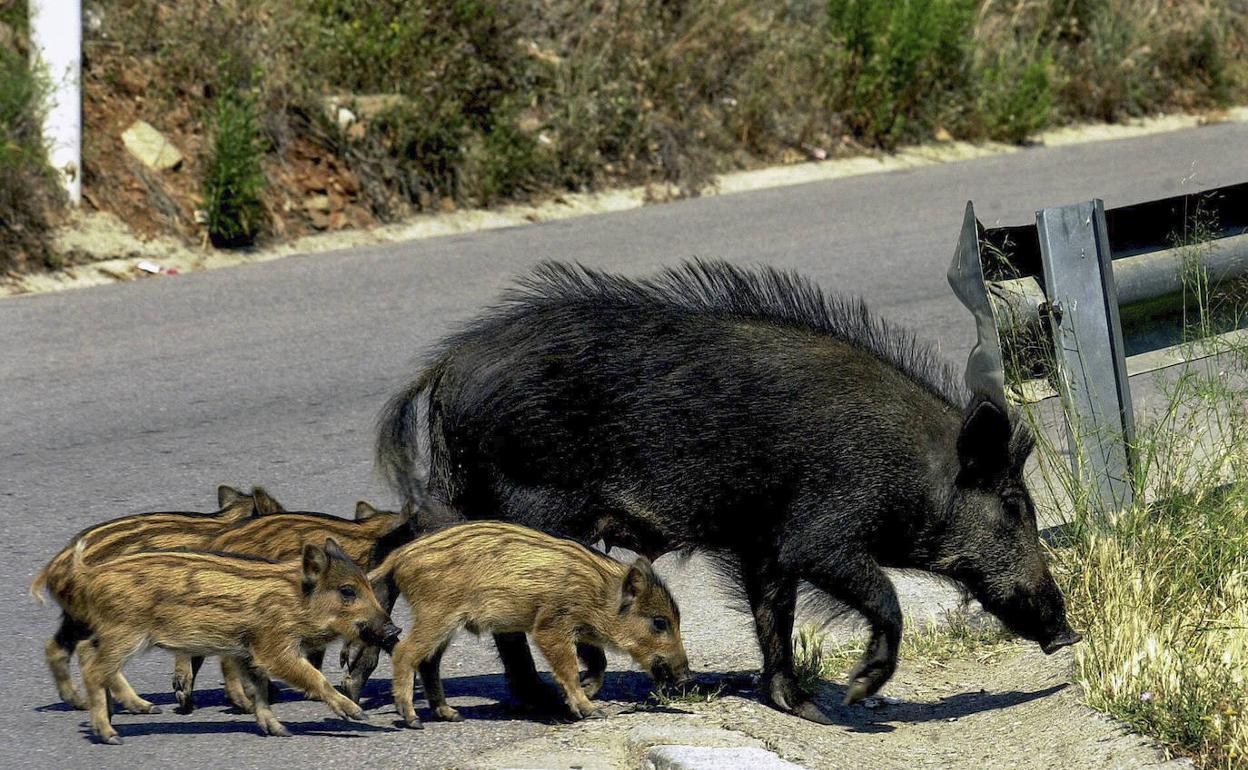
(718, 289)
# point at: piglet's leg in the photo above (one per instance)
(130, 700)
(185, 669)
(102, 659)
(292, 668)
(595, 661)
(431, 678)
(557, 646)
(59, 650)
(238, 687)
(259, 685)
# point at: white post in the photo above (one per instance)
(56, 49)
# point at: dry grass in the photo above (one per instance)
(1160, 589)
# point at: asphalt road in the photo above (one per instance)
(146, 395)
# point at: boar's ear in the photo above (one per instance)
(639, 576)
(228, 496)
(264, 502)
(984, 443)
(315, 563)
(364, 511)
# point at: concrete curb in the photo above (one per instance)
(705, 758)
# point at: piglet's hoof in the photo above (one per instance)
(447, 714)
(274, 728)
(413, 724)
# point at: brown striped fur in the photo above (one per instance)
(494, 577)
(128, 534)
(280, 537)
(257, 612)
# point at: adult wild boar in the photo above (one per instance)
(743, 412)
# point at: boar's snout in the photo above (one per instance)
(1063, 639)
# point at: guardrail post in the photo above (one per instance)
(985, 373)
(56, 43)
(1091, 366)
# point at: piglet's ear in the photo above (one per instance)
(334, 551)
(639, 576)
(264, 502)
(315, 564)
(228, 496)
(984, 443)
(364, 511)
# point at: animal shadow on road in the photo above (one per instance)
(625, 687)
(882, 718)
(860, 719)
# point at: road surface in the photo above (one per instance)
(146, 395)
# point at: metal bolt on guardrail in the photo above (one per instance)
(1087, 297)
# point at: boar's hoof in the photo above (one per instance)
(811, 713)
(447, 714)
(859, 689)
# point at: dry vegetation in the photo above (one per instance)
(359, 111)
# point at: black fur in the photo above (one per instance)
(742, 412)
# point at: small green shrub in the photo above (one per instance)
(29, 189)
(232, 175)
(895, 66)
(1015, 95)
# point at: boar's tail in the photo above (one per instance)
(398, 440)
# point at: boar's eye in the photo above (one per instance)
(659, 624)
(347, 593)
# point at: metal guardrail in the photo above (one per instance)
(1087, 297)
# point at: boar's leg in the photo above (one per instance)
(59, 650)
(431, 678)
(258, 684)
(285, 664)
(522, 679)
(864, 587)
(773, 600)
(595, 660)
(185, 669)
(555, 642)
